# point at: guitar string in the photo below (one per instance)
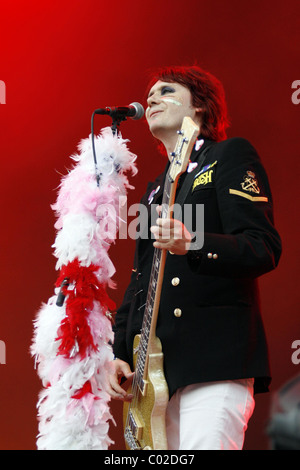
(141, 353)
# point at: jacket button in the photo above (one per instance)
(175, 281)
(177, 312)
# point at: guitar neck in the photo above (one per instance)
(147, 345)
(147, 341)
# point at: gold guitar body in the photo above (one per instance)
(148, 408)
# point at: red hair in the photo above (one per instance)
(207, 93)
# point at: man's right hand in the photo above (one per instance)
(118, 370)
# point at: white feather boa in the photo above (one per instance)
(73, 407)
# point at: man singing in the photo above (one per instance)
(209, 322)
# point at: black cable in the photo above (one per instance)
(94, 150)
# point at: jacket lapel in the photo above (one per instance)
(154, 192)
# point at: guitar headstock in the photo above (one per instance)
(186, 139)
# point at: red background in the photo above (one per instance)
(62, 59)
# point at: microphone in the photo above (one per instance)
(134, 111)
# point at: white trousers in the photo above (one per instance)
(210, 416)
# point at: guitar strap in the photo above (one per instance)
(186, 185)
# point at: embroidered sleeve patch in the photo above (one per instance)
(250, 183)
(248, 196)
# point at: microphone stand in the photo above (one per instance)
(117, 118)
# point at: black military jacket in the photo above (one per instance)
(210, 322)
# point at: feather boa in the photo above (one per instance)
(72, 342)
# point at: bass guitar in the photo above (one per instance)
(144, 416)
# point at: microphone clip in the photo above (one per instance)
(120, 113)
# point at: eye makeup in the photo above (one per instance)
(163, 90)
(167, 90)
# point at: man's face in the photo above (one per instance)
(168, 104)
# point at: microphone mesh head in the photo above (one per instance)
(139, 111)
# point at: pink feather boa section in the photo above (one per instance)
(72, 343)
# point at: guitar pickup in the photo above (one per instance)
(143, 387)
(143, 384)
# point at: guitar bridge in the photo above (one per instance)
(131, 440)
(133, 430)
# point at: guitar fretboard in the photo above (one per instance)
(147, 319)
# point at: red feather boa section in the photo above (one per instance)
(81, 293)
